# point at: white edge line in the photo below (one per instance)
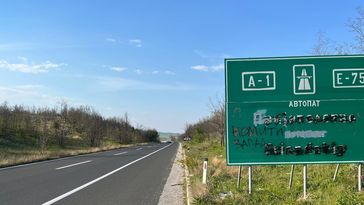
(100, 178)
(120, 153)
(139, 148)
(186, 177)
(47, 161)
(71, 165)
(54, 160)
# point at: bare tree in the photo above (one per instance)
(217, 108)
(43, 132)
(322, 46)
(45, 126)
(357, 26)
(188, 130)
(61, 124)
(126, 134)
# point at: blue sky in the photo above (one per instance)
(159, 61)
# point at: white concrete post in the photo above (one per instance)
(336, 171)
(204, 173)
(239, 177)
(291, 177)
(250, 170)
(305, 181)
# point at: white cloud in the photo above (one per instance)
(24, 59)
(136, 42)
(200, 68)
(30, 95)
(211, 56)
(205, 68)
(133, 42)
(138, 71)
(154, 72)
(118, 69)
(112, 40)
(117, 84)
(219, 67)
(17, 46)
(168, 72)
(26, 67)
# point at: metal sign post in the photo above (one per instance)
(291, 177)
(336, 171)
(250, 179)
(305, 181)
(239, 177)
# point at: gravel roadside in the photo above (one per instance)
(173, 189)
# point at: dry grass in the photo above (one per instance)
(270, 182)
(10, 157)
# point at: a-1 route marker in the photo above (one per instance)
(260, 80)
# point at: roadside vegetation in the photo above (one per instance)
(32, 134)
(270, 183)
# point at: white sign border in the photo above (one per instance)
(227, 109)
(257, 72)
(345, 86)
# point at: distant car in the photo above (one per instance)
(187, 138)
(169, 141)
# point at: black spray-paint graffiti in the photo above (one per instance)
(284, 119)
(282, 149)
(251, 142)
(253, 136)
(254, 131)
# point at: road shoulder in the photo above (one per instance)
(173, 189)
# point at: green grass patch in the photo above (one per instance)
(270, 183)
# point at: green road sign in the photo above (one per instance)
(295, 110)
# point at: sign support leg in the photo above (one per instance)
(359, 177)
(305, 181)
(239, 176)
(336, 171)
(291, 177)
(250, 179)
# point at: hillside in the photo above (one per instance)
(167, 135)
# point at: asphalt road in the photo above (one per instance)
(134, 175)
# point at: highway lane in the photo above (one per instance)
(134, 175)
